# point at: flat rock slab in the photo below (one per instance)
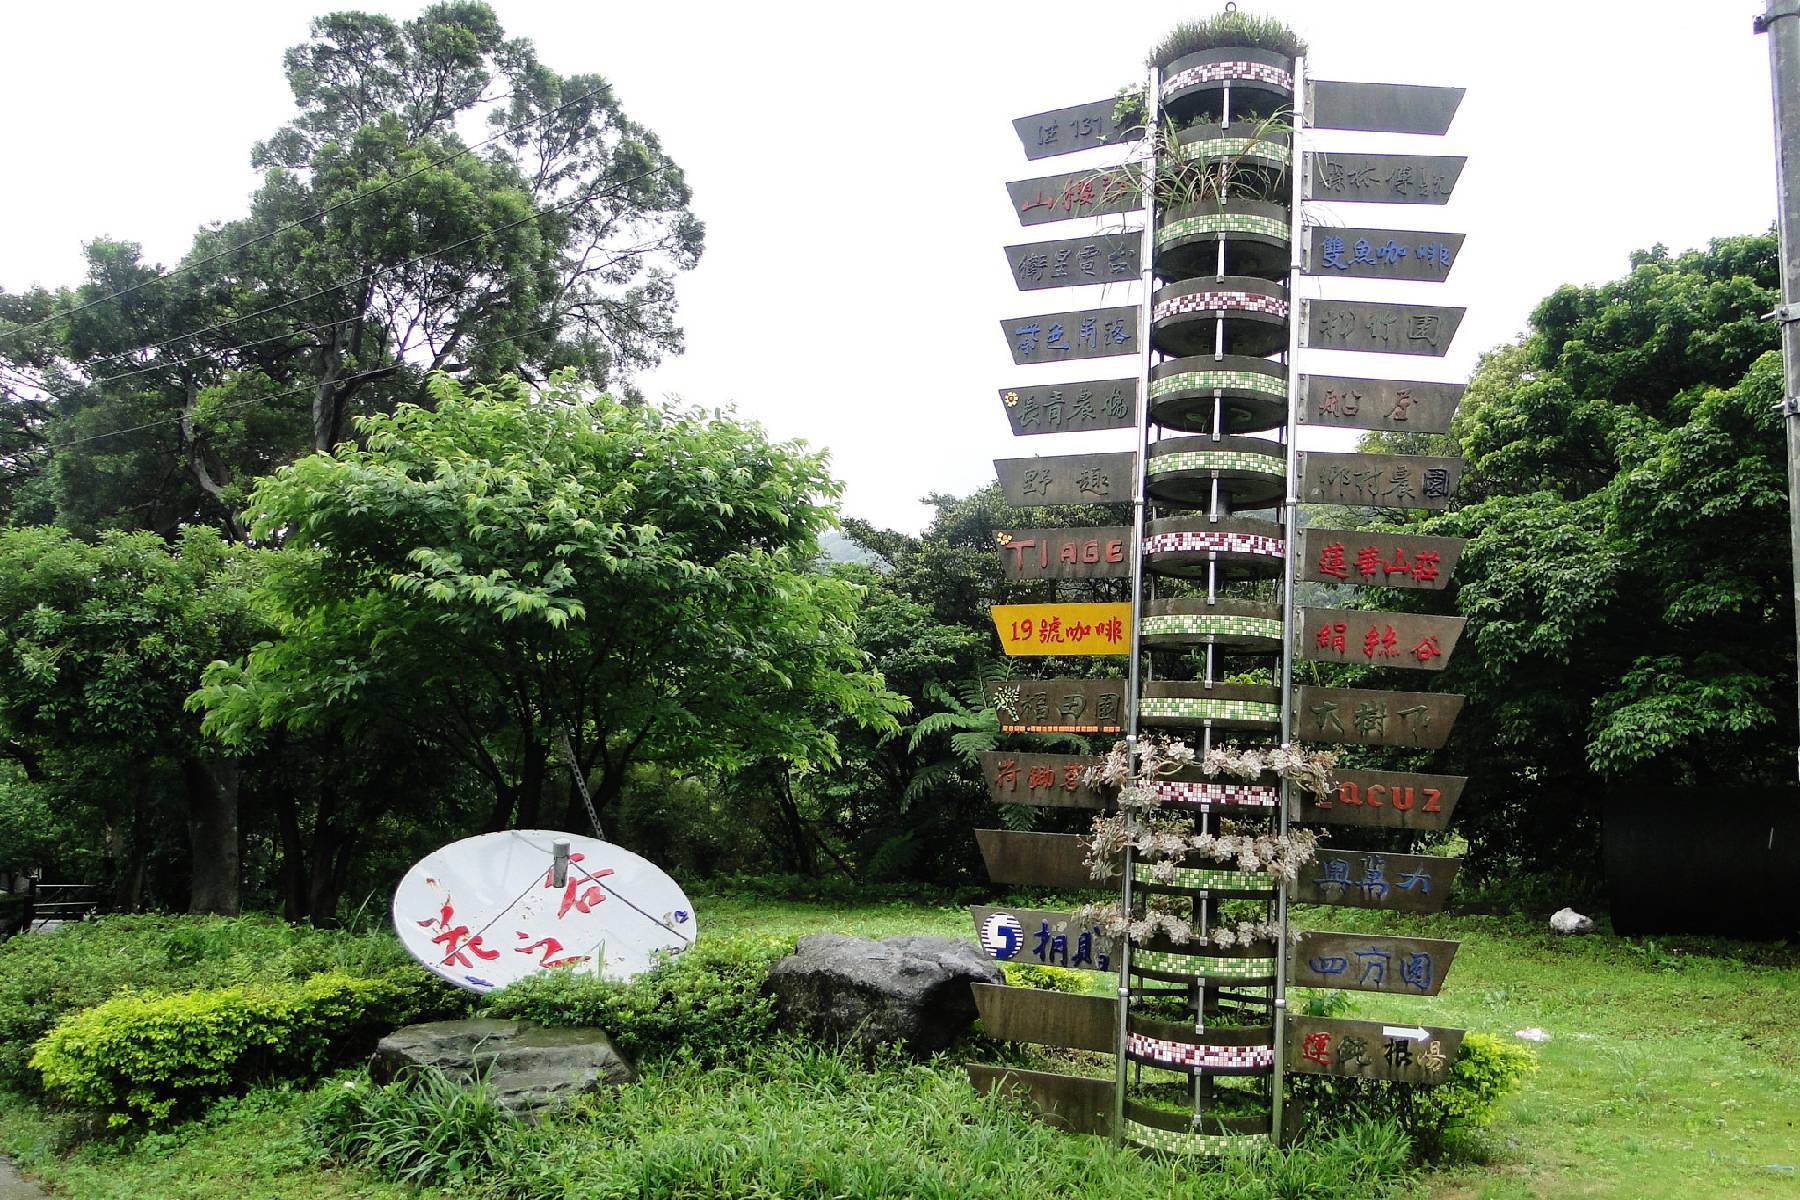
(911, 990)
(529, 1066)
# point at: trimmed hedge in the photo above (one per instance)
(146, 1059)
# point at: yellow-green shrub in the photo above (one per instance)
(145, 1059)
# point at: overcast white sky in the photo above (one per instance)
(849, 161)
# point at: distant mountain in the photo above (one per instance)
(839, 546)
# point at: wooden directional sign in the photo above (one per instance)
(1071, 1103)
(1081, 127)
(1091, 552)
(1379, 107)
(1063, 628)
(1375, 327)
(1044, 780)
(1359, 253)
(1016, 1014)
(1067, 479)
(1378, 178)
(1400, 405)
(1376, 559)
(1071, 407)
(1382, 480)
(1078, 194)
(1047, 860)
(1421, 1054)
(1375, 879)
(1067, 336)
(1097, 258)
(1381, 800)
(1362, 717)
(1360, 962)
(1059, 705)
(1045, 939)
(1378, 639)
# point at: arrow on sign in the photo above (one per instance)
(1416, 1033)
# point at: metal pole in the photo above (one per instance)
(1133, 676)
(1782, 23)
(1290, 531)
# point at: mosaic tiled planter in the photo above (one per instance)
(1251, 472)
(1246, 966)
(1238, 626)
(1251, 393)
(1211, 881)
(1255, 237)
(1241, 547)
(1224, 1050)
(1244, 144)
(1248, 707)
(1261, 81)
(1193, 788)
(1184, 316)
(1239, 1132)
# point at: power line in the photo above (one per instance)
(313, 216)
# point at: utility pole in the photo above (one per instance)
(1782, 23)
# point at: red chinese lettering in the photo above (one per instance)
(1381, 643)
(1006, 774)
(1072, 777)
(1427, 650)
(1368, 561)
(551, 946)
(1425, 566)
(1331, 561)
(1112, 630)
(1039, 778)
(1317, 1048)
(1398, 565)
(1331, 637)
(1050, 629)
(458, 945)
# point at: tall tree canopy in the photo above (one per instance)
(387, 240)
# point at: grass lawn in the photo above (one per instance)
(1673, 1070)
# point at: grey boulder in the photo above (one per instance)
(1569, 921)
(529, 1066)
(911, 990)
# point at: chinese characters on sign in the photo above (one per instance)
(1368, 879)
(1381, 480)
(1381, 800)
(1381, 328)
(1080, 194)
(1050, 939)
(1370, 1049)
(1382, 178)
(1101, 552)
(1067, 479)
(1378, 639)
(1099, 258)
(1358, 253)
(1059, 705)
(1082, 127)
(1363, 962)
(1071, 407)
(1377, 559)
(1067, 336)
(1063, 628)
(1401, 405)
(1044, 780)
(1362, 717)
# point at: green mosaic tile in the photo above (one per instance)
(1223, 223)
(1201, 624)
(1192, 877)
(1190, 1143)
(1199, 964)
(1229, 147)
(1218, 460)
(1201, 708)
(1249, 381)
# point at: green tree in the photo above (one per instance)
(381, 245)
(510, 568)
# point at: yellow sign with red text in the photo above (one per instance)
(1042, 629)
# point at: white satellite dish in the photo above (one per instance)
(489, 910)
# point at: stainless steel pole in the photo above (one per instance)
(1782, 23)
(1289, 533)
(1133, 671)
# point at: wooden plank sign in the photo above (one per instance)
(1376, 879)
(1376, 559)
(1079, 127)
(1375, 327)
(1363, 717)
(1095, 552)
(1043, 780)
(1361, 962)
(1059, 705)
(1071, 1103)
(1357, 252)
(1063, 628)
(1097, 258)
(1043, 1018)
(1377, 178)
(1378, 639)
(1047, 860)
(1077, 194)
(1421, 1054)
(1067, 479)
(1380, 107)
(1425, 481)
(1381, 800)
(1068, 336)
(1071, 407)
(1397, 405)
(1043, 939)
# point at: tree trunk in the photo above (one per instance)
(293, 857)
(212, 800)
(531, 783)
